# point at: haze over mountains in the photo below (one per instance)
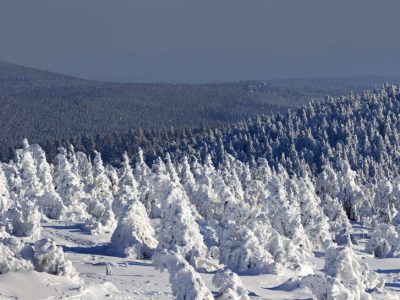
(43, 106)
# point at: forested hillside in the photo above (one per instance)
(362, 129)
(47, 107)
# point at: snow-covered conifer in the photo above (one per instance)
(5, 201)
(70, 189)
(99, 204)
(344, 277)
(384, 242)
(134, 235)
(186, 283)
(229, 286)
(49, 258)
(23, 220)
(179, 231)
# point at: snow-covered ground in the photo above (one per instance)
(109, 277)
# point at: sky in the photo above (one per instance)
(202, 40)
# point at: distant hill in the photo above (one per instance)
(43, 106)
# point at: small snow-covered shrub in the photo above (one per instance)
(48, 257)
(10, 255)
(186, 283)
(384, 242)
(134, 235)
(24, 221)
(51, 205)
(241, 251)
(229, 286)
(344, 277)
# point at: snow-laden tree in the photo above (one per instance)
(134, 235)
(179, 231)
(186, 283)
(384, 202)
(49, 202)
(229, 286)
(229, 173)
(70, 188)
(283, 209)
(144, 177)
(385, 241)
(127, 188)
(171, 170)
(187, 179)
(23, 220)
(313, 219)
(99, 204)
(241, 251)
(211, 195)
(5, 201)
(350, 193)
(83, 169)
(27, 170)
(48, 257)
(141, 168)
(327, 189)
(343, 277)
(11, 259)
(13, 180)
(112, 174)
(249, 244)
(151, 185)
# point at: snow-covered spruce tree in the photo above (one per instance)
(11, 259)
(99, 204)
(5, 198)
(248, 243)
(313, 219)
(211, 195)
(27, 169)
(384, 202)
(186, 283)
(171, 170)
(49, 202)
(144, 177)
(344, 277)
(83, 169)
(70, 188)
(151, 186)
(384, 242)
(112, 174)
(242, 251)
(229, 286)
(187, 179)
(283, 209)
(204, 197)
(127, 189)
(13, 180)
(134, 235)
(327, 189)
(350, 193)
(179, 231)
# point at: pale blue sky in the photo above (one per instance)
(202, 40)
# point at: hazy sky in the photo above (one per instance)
(202, 40)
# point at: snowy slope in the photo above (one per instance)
(137, 279)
